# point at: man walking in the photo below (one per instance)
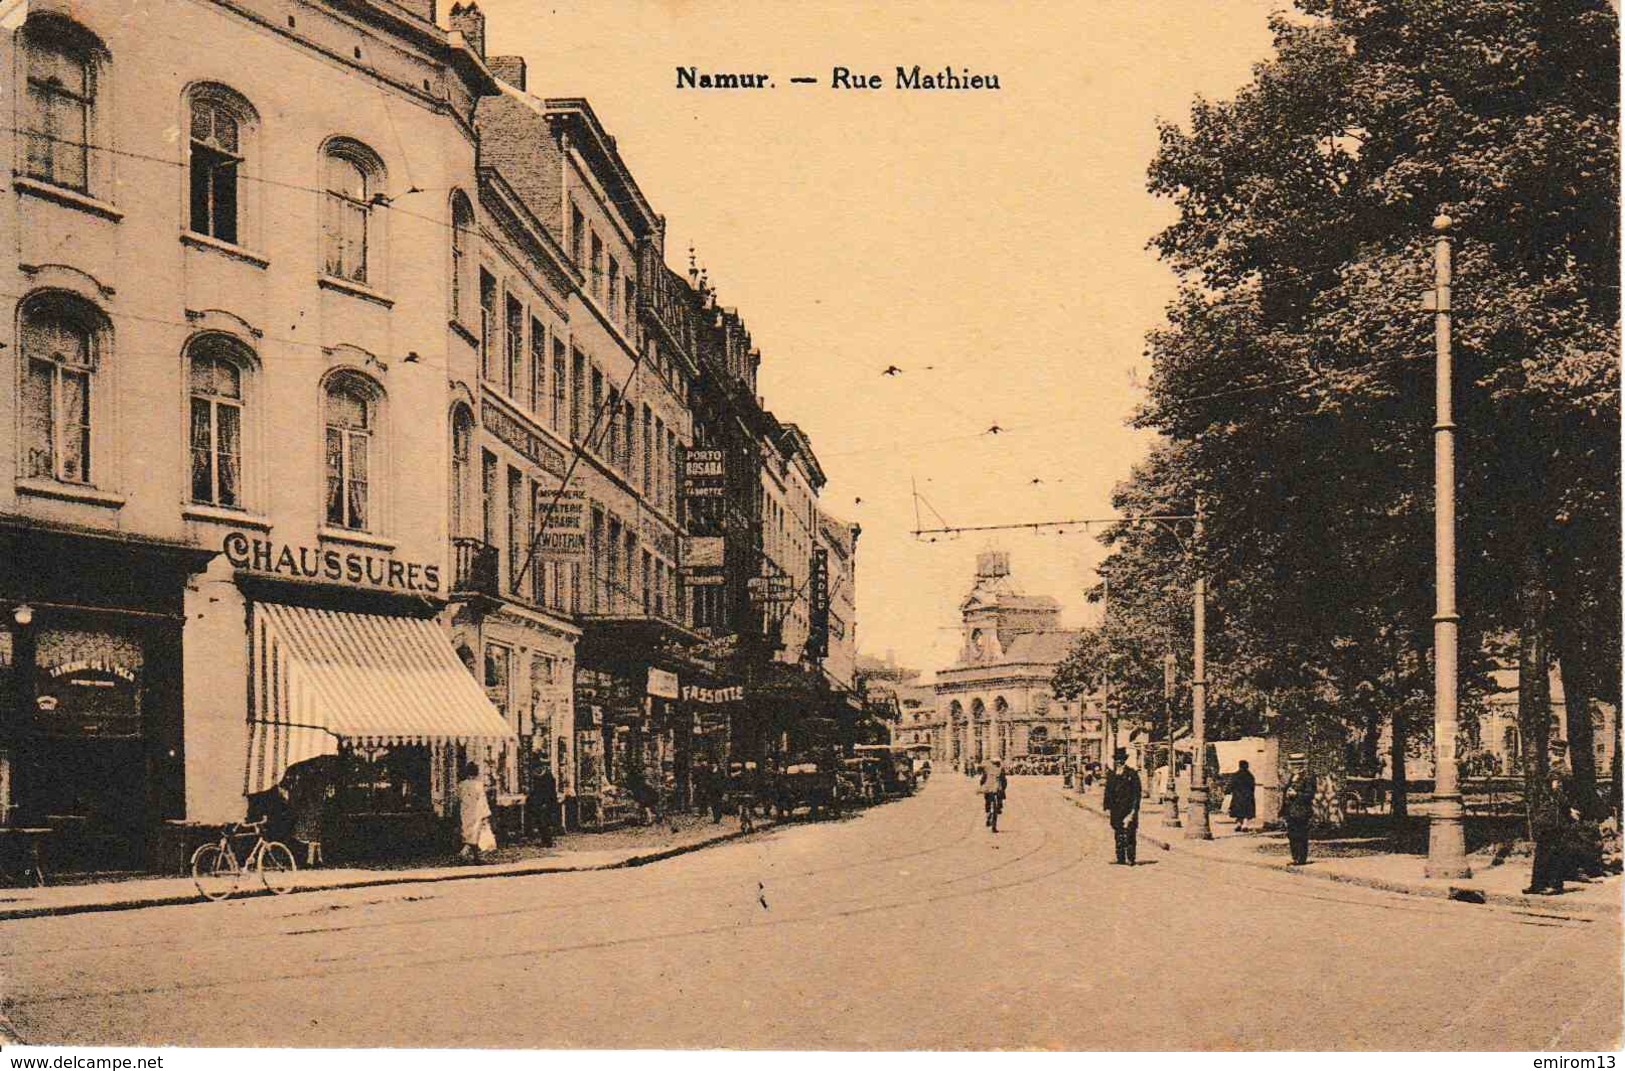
(1123, 805)
(542, 803)
(993, 787)
(1298, 806)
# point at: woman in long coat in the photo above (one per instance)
(1243, 797)
(474, 812)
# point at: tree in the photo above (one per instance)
(1293, 381)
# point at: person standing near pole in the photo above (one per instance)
(1123, 805)
(1298, 806)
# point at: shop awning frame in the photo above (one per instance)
(322, 677)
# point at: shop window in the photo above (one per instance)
(217, 370)
(497, 675)
(392, 780)
(352, 418)
(220, 123)
(353, 184)
(462, 244)
(61, 336)
(60, 111)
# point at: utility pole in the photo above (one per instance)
(1169, 666)
(1447, 842)
(1198, 827)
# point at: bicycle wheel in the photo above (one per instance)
(214, 872)
(277, 867)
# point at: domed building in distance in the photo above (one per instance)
(995, 701)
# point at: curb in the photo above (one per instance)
(1381, 884)
(405, 877)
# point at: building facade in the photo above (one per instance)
(229, 366)
(359, 427)
(995, 701)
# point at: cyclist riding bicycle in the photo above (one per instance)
(993, 786)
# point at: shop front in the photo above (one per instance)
(91, 739)
(366, 718)
(635, 736)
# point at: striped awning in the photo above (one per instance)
(322, 676)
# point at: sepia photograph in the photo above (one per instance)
(802, 527)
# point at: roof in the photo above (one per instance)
(1040, 647)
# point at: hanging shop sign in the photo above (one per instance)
(522, 439)
(565, 538)
(663, 683)
(771, 589)
(256, 555)
(696, 693)
(705, 473)
(817, 645)
(702, 561)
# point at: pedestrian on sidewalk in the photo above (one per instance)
(1122, 798)
(1243, 796)
(1298, 806)
(542, 804)
(474, 815)
(308, 789)
(716, 789)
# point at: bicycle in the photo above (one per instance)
(217, 872)
(994, 802)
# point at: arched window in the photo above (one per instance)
(462, 248)
(220, 124)
(217, 370)
(60, 336)
(59, 115)
(352, 418)
(353, 181)
(462, 460)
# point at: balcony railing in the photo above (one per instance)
(475, 567)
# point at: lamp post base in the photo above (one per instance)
(1447, 840)
(1170, 817)
(1198, 827)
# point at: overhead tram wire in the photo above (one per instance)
(1035, 526)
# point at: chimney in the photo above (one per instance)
(468, 20)
(510, 69)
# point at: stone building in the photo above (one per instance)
(226, 530)
(343, 361)
(995, 700)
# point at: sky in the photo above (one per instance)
(990, 244)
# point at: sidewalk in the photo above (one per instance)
(574, 852)
(1355, 862)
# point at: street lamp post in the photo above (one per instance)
(1199, 827)
(1169, 666)
(1447, 844)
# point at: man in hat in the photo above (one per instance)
(993, 787)
(1123, 805)
(1298, 806)
(1551, 817)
